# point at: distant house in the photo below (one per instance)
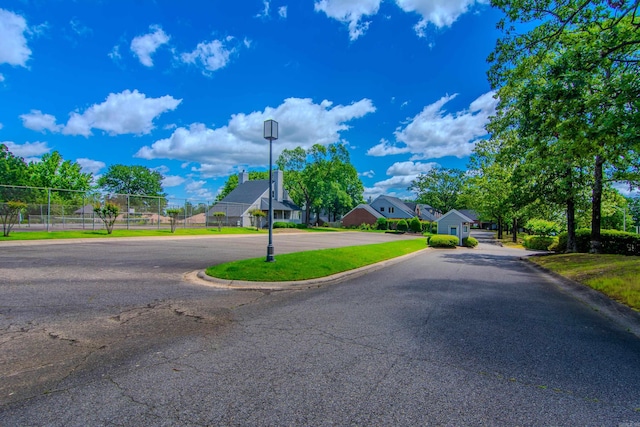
(390, 208)
(361, 214)
(455, 224)
(254, 194)
(475, 218)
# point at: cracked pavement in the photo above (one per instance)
(462, 337)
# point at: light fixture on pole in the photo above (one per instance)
(270, 133)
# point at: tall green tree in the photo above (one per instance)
(13, 172)
(321, 177)
(136, 180)
(578, 68)
(52, 171)
(440, 188)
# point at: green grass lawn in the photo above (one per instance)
(617, 276)
(313, 264)
(79, 234)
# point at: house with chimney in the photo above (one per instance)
(254, 194)
(388, 207)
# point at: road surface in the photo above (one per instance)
(109, 334)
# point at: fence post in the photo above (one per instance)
(48, 208)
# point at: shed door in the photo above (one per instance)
(453, 231)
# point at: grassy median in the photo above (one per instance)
(616, 276)
(313, 264)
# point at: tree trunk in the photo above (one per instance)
(514, 238)
(499, 228)
(571, 224)
(596, 206)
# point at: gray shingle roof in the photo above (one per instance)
(248, 192)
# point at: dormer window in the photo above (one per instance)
(381, 208)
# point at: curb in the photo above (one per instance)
(199, 277)
(619, 313)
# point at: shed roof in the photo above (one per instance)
(462, 216)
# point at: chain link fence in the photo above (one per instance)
(57, 209)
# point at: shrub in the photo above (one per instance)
(392, 224)
(415, 225)
(302, 226)
(613, 242)
(9, 213)
(173, 213)
(542, 227)
(427, 226)
(365, 226)
(280, 224)
(443, 241)
(541, 243)
(382, 224)
(469, 242)
(402, 225)
(108, 214)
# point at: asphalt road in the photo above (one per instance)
(106, 333)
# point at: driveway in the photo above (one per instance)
(448, 337)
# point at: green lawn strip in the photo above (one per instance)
(313, 264)
(80, 234)
(616, 276)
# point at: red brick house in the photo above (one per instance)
(361, 214)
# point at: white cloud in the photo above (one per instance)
(433, 133)
(144, 46)
(1, 78)
(36, 120)
(265, 11)
(240, 143)
(282, 11)
(121, 113)
(402, 175)
(211, 55)
(115, 53)
(13, 44)
(350, 12)
(79, 28)
(172, 181)
(197, 189)
(441, 13)
(28, 149)
(411, 169)
(91, 166)
(368, 174)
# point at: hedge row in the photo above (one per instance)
(542, 243)
(280, 224)
(414, 224)
(442, 241)
(613, 242)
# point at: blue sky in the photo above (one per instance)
(184, 87)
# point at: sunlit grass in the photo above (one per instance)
(313, 264)
(617, 276)
(83, 234)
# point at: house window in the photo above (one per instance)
(391, 210)
(465, 228)
(381, 208)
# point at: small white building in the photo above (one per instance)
(455, 223)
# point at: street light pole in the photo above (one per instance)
(270, 133)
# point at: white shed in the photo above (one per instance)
(455, 224)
